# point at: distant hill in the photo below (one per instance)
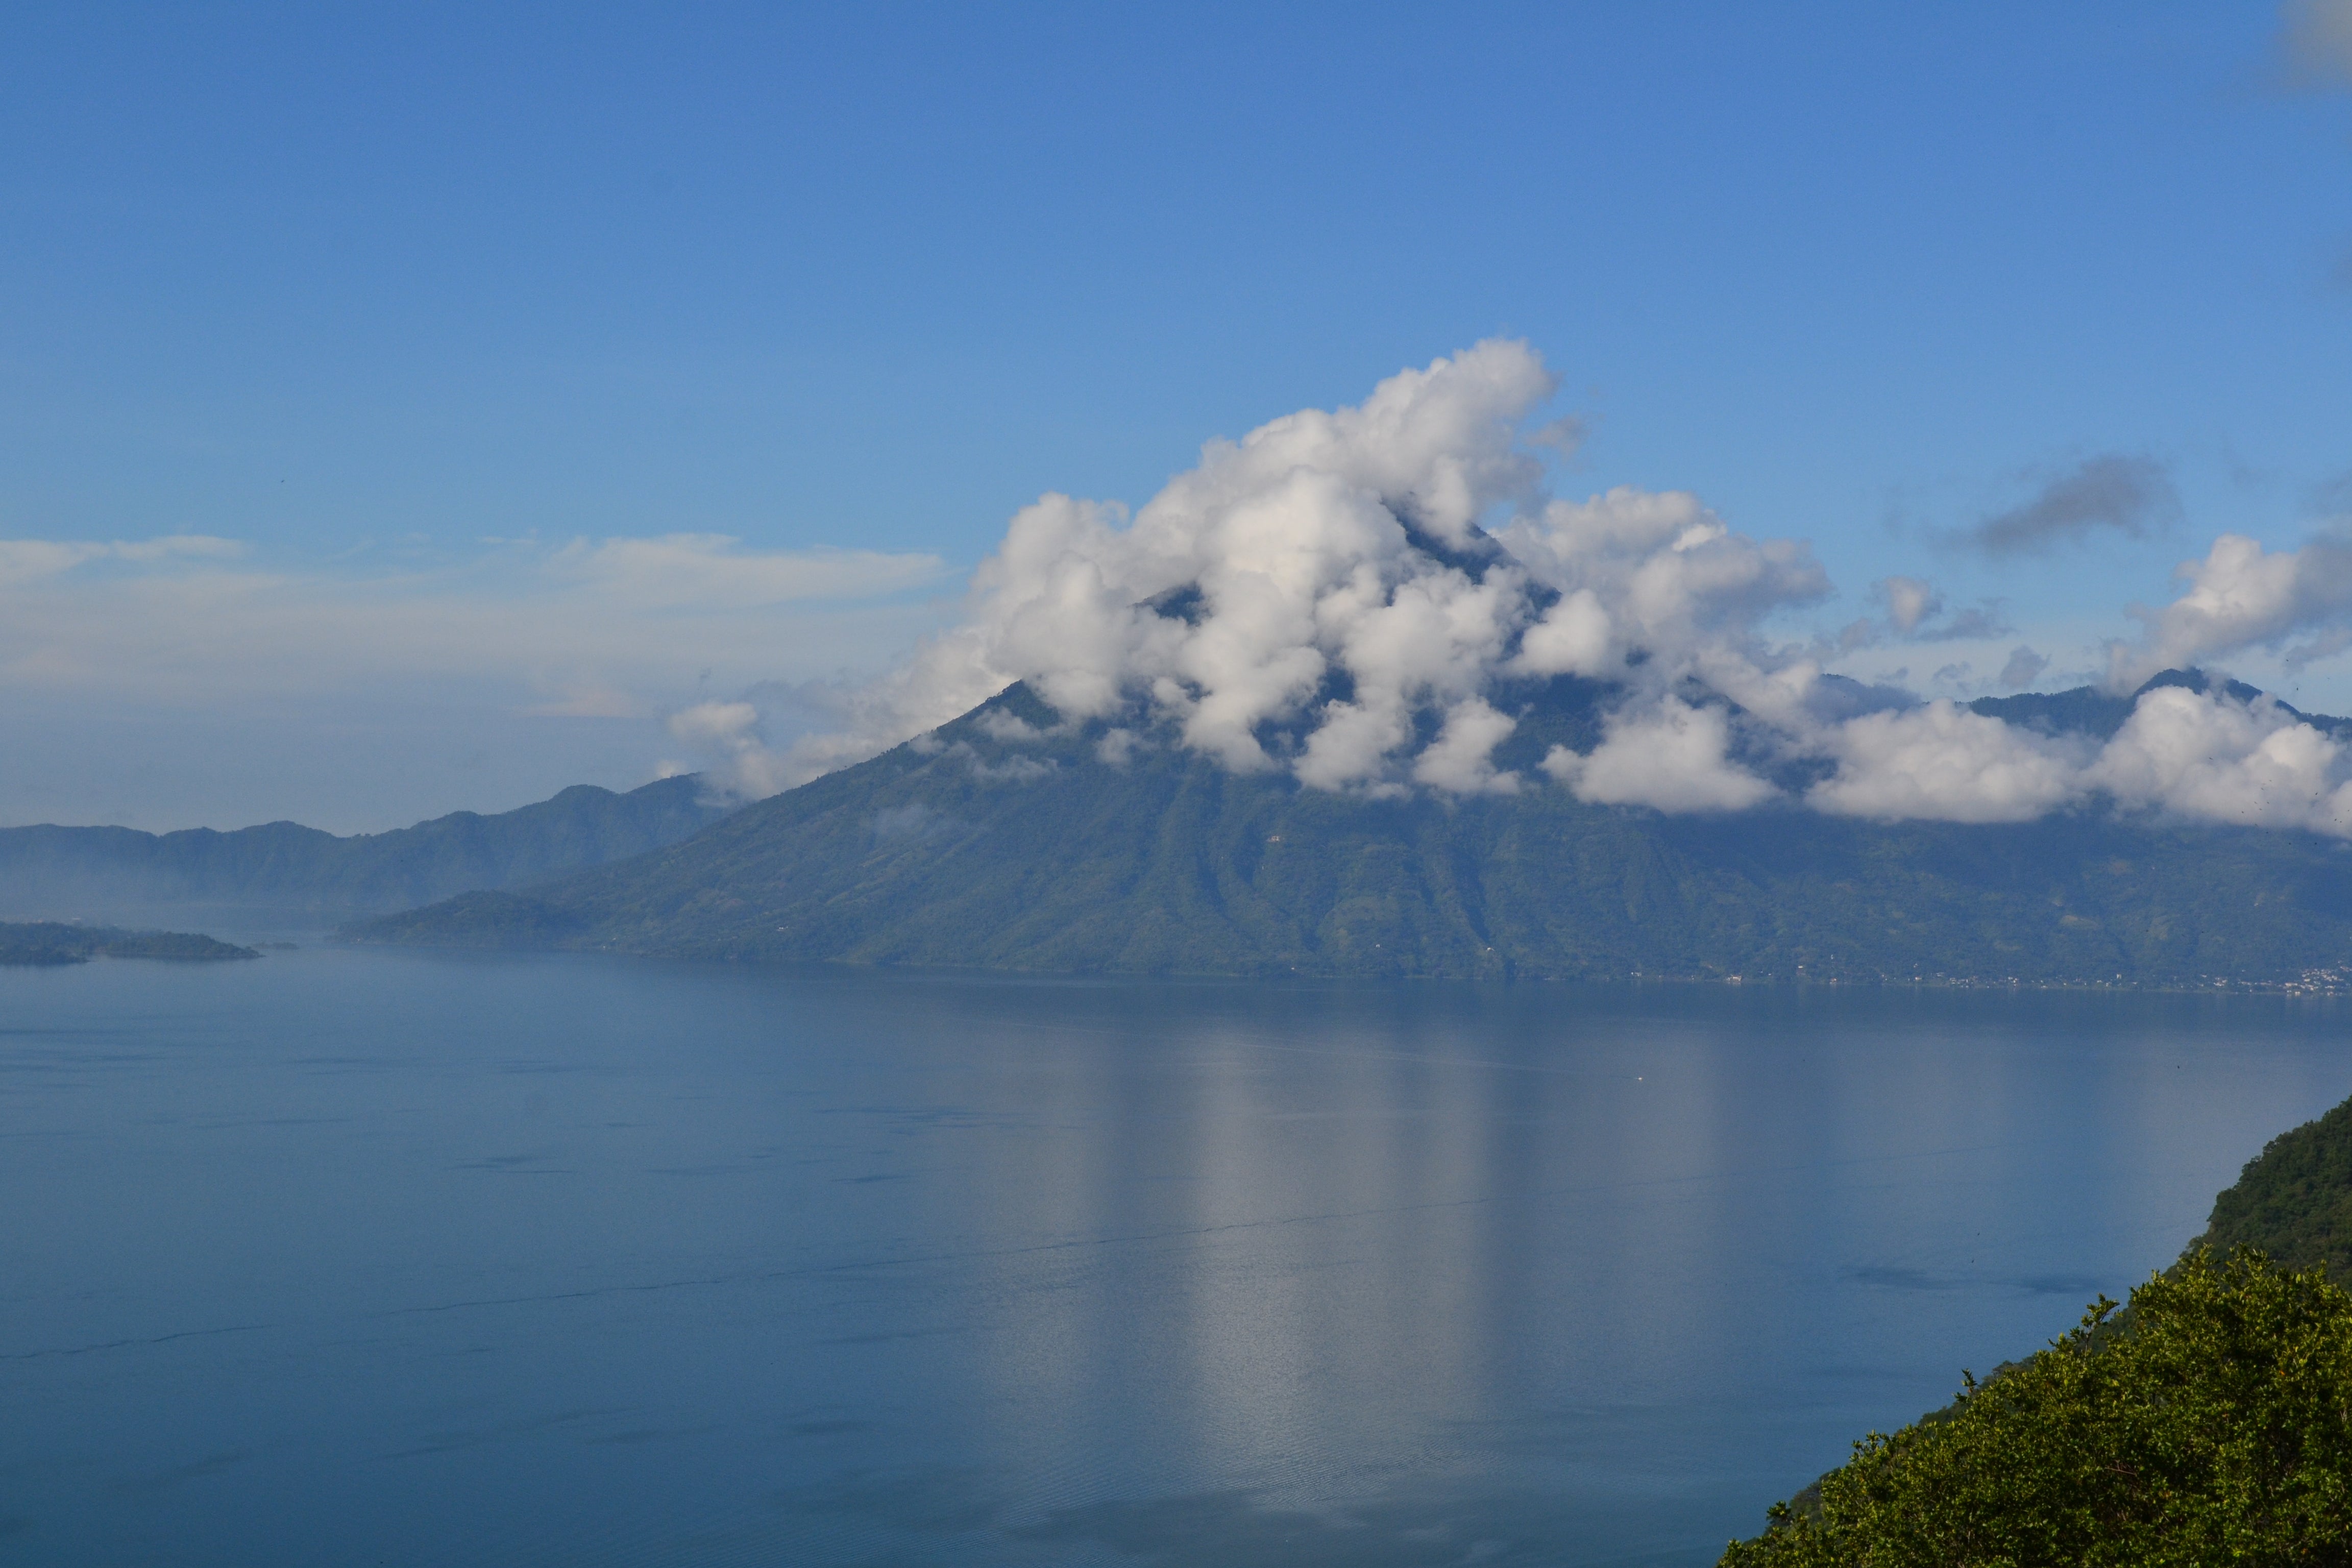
(291, 871)
(48, 944)
(991, 843)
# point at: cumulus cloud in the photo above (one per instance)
(1944, 763)
(2202, 754)
(1369, 599)
(1372, 600)
(1325, 574)
(2241, 596)
(1460, 759)
(1672, 756)
(1306, 597)
(2132, 496)
(2196, 756)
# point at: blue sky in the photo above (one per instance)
(406, 300)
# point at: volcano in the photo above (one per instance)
(1012, 839)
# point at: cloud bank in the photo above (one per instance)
(1369, 599)
(1373, 601)
(189, 681)
(593, 629)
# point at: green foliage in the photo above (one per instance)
(986, 847)
(2293, 1200)
(2213, 1426)
(46, 942)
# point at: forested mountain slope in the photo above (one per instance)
(999, 841)
(2293, 1200)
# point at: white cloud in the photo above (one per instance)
(2191, 754)
(615, 627)
(185, 679)
(1461, 760)
(1363, 598)
(1307, 598)
(1283, 562)
(2240, 596)
(1667, 577)
(1324, 579)
(1572, 638)
(1671, 757)
(726, 735)
(1944, 764)
(2204, 756)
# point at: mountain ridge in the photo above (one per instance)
(1007, 840)
(291, 870)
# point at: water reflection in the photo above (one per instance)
(353, 1257)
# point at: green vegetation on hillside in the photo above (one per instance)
(1003, 841)
(2293, 1200)
(46, 942)
(2208, 1422)
(2213, 1426)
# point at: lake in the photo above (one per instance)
(358, 1258)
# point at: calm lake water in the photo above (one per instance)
(356, 1258)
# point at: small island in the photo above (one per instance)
(48, 944)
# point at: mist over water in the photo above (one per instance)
(350, 1258)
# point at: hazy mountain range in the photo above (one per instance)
(284, 873)
(1011, 840)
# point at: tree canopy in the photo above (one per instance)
(2210, 1424)
(2293, 1200)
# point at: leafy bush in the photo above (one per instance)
(2210, 1423)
